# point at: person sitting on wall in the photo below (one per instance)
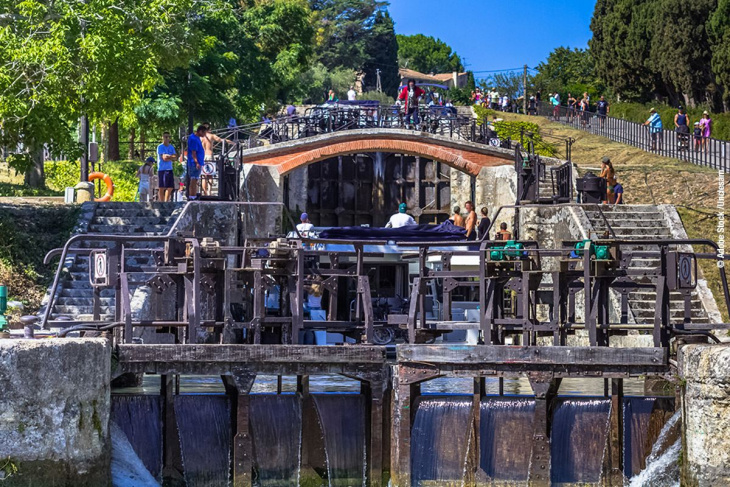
(618, 193)
(306, 226)
(503, 233)
(400, 219)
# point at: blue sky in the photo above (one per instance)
(497, 34)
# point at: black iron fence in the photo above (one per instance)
(668, 142)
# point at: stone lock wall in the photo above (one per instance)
(54, 412)
(705, 375)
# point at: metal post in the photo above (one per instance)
(84, 143)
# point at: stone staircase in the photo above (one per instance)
(632, 222)
(74, 295)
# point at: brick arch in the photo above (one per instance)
(287, 157)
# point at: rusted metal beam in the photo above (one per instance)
(545, 388)
(497, 354)
(242, 442)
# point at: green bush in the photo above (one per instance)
(63, 174)
(513, 130)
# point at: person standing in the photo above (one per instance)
(609, 174)
(603, 109)
(400, 219)
(571, 107)
(144, 173)
(655, 129)
(196, 159)
(208, 141)
(584, 110)
(470, 223)
(697, 134)
(351, 94)
(681, 126)
(331, 97)
(457, 218)
(411, 94)
(484, 224)
(706, 126)
(166, 154)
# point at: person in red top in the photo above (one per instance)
(411, 95)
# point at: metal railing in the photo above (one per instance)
(667, 142)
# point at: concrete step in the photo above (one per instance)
(650, 304)
(85, 293)
(629, 223)
(84, 301)
(618, 215)
(130, 229)
(133, 213)
(105, 244)
(625, 232)
(123, 220)
(90, 317)
(651, 295)
(79, 310)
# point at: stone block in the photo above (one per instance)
(54, 412)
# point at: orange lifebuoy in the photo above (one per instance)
(109, 185)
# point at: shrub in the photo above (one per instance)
(63, 174)
(514, 130)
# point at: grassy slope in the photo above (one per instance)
(27, 233)
(650, 179)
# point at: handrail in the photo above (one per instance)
(667, 142)
(605, 220)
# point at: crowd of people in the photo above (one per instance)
(492, 99)
(477, 228)
(579, 109)
(200, 145)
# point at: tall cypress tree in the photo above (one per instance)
(621, 46)
(718, 28)
(382, 54)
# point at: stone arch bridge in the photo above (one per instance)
(358, 176)
(465, 156)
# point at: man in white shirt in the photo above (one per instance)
(400, 219)
(352, 94)
(305, 227)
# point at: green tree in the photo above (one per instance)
(427, 55)
(382, 54)
(680, 51)
(344, 30)
(567, 70)
(718, 27)
(68, 57)
(508, 83)
(621, 46)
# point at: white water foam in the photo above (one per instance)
(127, 469)
(662, 466)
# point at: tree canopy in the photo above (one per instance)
(427, 55)
(668, 49)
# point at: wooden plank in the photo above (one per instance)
(501, 354)
(251, 354)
